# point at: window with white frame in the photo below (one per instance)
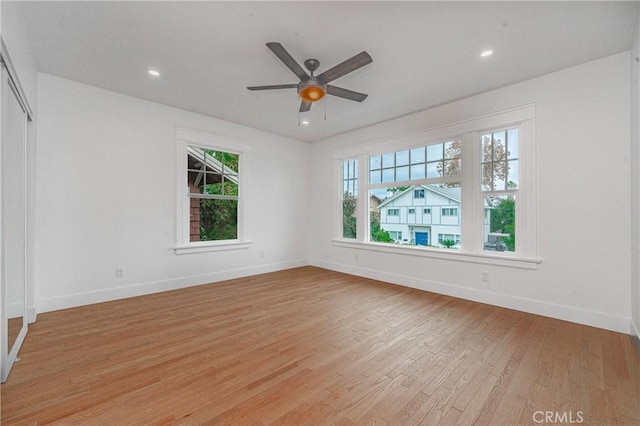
(349, 198)
(499, 187)
(425, 175)
(449, 211)
(211, 186)
(487, 167)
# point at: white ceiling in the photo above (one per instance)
(424, 53)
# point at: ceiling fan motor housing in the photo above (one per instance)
(311, 90)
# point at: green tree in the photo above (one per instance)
(219, 217)
(378, 234)
(503, 220)
(349, 228)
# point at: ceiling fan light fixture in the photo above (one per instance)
(311, 91)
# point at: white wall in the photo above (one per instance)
(635, 186)
(583, 125)
(107, 198)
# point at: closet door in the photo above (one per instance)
(13, 224)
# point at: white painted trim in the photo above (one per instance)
(13, 76)
(552, 310)
(442, 254)
(204, 247)
(635, 336)
(184, 139)
(441, 132)
(87, 298)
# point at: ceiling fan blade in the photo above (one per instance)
(272, 87)
(352, 64)
(346, 93)
(288, 60)
(305, 106)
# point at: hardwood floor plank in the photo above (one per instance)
(311, 346)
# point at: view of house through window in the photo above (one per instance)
(405, 219)
(460, 192)
(213, 180)
(416, 195)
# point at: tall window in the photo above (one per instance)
(499, 186)
(212, 212)
(349, 198)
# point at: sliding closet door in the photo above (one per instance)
(13, 231)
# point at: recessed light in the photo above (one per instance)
(154, 73)
(304, 122)
(486, 53)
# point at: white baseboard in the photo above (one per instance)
(552, 310)
(635, 335)
(140, 289)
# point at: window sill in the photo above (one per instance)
(212, 246)
(445, 254)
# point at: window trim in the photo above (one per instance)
(185, 138)
(472, 224)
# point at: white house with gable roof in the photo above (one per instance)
(424, 215)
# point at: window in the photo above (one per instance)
(449, 211)
(469, 187)
(500, 183)
(212, 211)
(396, 235)
(213, 181)
(349, 198)
(429, 174)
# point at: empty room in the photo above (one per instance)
(320, 212)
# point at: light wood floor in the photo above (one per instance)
(310, 346)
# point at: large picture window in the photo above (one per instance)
(422, 177)
(473, 193)
(211, 181)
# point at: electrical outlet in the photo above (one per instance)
(484, 277)
(119, 272)
(262, 254)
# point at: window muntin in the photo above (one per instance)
(431, 161)
(213, 182)
(500, 160)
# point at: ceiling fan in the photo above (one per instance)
(312, 88)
